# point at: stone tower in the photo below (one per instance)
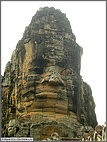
(42, 89)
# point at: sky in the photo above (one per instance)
(88, 23)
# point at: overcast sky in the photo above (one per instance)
(88, 23)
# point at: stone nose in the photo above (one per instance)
(53, 79)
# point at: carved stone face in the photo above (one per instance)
(43, 81)
(50, 77)
(51, 59)
(11, 131)
(13, 126)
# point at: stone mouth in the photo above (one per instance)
(58, 96)
(45, 87)
(46, 95)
